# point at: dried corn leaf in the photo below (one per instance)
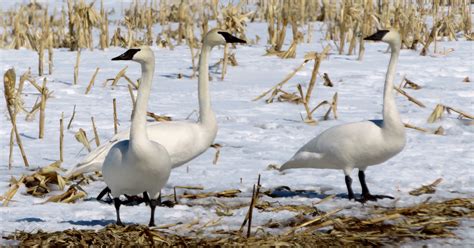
(426, 189)
(120, 74)
(12, 191)
(225, 193)
(81, 136)
(436, 114)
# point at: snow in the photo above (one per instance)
(253, 134)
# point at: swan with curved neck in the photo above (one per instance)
(183, 140)
(138, 164)
(361, 144)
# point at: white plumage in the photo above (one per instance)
(183, 140)
(137, 165)
(361, 144)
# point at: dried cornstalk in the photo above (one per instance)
(319, 57)
(91, 83)
(218, 152)
(72, 117)
(11, 98)
(61, 137)
(415, 127)
(44, 98)
(76, 66)
(285, 80)
(439, 109)
(120, 74)
(410, 98)
(96, 135)
(114, 103)
(224, 61)
(432, 37)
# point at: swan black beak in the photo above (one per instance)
(230, 38)
(128, 55)
(377, 36)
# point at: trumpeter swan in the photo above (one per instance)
(183, 140)
(360, 144)
(138, 164)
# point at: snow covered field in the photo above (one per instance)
(253, 134)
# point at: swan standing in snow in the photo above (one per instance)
(138, 164)
(183, 140)
(360, 144)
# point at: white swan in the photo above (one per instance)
(360, 144)
(183, 140)
(138, 164)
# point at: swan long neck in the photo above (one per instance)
(390, 113)
(205, 112)
(138, 133)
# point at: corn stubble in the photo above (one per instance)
(347, 22)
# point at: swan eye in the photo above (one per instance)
(128, 55)
(230, 38)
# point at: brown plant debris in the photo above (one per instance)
(72, 194)
(439, 110)
(327, 80)
(225, 193)
(39, 183)
(383, 226)
(410, 84)
(159, 118)
(218, 147)
(410, 98)
(426, 189)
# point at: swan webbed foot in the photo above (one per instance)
(369, 197)
(167, 203)
(366, 196)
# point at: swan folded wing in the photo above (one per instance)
(183, 140)
(93, 161)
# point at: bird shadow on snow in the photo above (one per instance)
(175, 76)
(72, 222)
(285, 191)
(30, 219)
(90, 222)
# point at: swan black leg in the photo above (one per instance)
(153, 204)
(117, 204)
(350, 193)
(366, 196)
(102, 193)
(146, 198)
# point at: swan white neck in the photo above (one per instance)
(390, 113)
(205, 112)
(138, 133)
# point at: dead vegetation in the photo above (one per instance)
(383, 226)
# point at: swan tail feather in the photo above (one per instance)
(92, 162)
(303, 160)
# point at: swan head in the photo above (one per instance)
(387, 36)
(141, 54)
(217, 37)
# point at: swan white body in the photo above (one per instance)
(183, 140)
(137, 165)
(360, 144)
